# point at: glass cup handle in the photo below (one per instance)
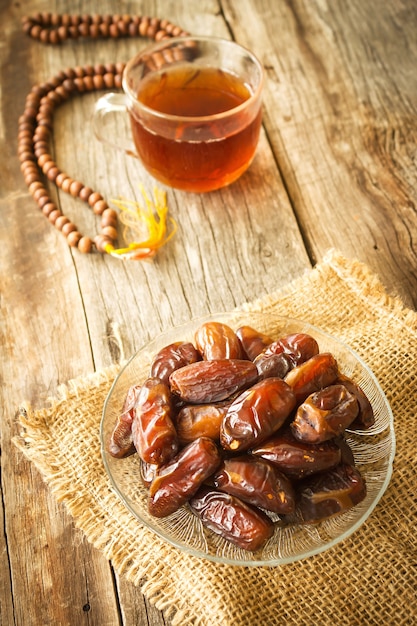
(106, 108)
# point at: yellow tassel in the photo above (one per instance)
(150, 220)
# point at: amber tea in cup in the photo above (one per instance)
(195, 111)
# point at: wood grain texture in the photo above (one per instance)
(335, 167)
(340, 110)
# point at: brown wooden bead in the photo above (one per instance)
(99, 207)
(101, 241)
(111, 213)
(45, 158)
(85, 193)
(104, 30)
(25, 154)
(73, 238)
(30, 113)
(47, 165)
(113, 31)
(48, 208)
(98, 81)
(94, 31)
(73, 32)
(133, 29)
(26, 125)
(69, 85)
(68, 228)
(85, 245)
(143, 26)
(109, 218)
(61, 221)
(43, 200)
(99, 69)
(109, 231)
(28, 169)
(79, 84)
(88, 82)
(63, 32)
(75, 188)
(39, 192)
(30, 177)
(110, 68)
(44, 36)
(84, 29)
(95, 197)
(66, 183)
(35, 31)
(53, 96)
(24, 134)
(62, 92)
(52, 174)
(108, 80)
(60, 179)
(33, 187)
(23, 145)
(53, 216)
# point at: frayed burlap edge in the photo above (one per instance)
(92, 516)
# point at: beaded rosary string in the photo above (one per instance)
(36, 122)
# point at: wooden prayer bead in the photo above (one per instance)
(110, 231)
(48, 208)
(61, 221)
(73, 238)
(85, 245)
(53, 216)
(68, 228)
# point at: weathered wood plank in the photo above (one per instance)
(340, 109)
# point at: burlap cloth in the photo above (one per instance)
(369, 578)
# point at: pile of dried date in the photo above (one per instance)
(245, 429)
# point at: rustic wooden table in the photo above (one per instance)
(336, 167)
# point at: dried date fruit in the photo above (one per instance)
(176, 482)
(256, 413)
(327, 494)
(253, 342)
(216, 340)
(273, 365)
(297, 459)
(300, 346)
(324, 414)
(153, 431)
(245, 526)
(365, 418)
(318, 372)
(256, 482)
(200, 420)
(171, 358)
(121, 442)
(211, 381)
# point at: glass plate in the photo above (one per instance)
(373, 450)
